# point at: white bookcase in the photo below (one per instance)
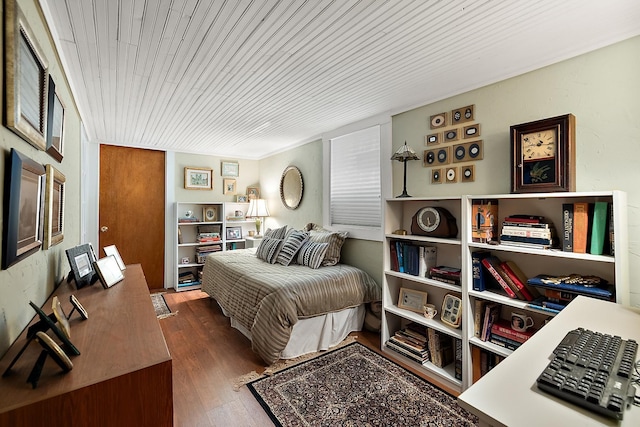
(226, 215)
(456, 252)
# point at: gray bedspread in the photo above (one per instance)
(268, 299)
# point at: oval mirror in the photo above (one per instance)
(291, 187)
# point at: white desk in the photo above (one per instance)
(508, 395)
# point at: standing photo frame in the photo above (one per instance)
(234, 233)
(253, 193)
(198, 178)
(111, 250)
(26, 79)
(81, 261)
(54, 211)
(23, 232)
(109, 271)
(412, 300)
(230, 169)
(55, 122)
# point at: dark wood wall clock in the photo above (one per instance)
(543, 155)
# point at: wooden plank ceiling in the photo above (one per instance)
(249, 78)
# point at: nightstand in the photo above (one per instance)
(252, 242)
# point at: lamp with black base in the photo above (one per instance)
(404, 154)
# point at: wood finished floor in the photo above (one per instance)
(208, 355)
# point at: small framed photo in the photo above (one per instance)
(242, 198)
(198, 178)
(413, 300)
(253, 193)
(229, 186)
(55, 122)
(54, 207)
(234, 233)
(231, 169)
(209, 214)
(81, 261)
(112, 250)
(109, 271)
(185, 260)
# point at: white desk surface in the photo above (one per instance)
(508, 395)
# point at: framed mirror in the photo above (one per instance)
(291, 187)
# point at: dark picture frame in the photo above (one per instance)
(26, 79)
(54, 211)
(234, 233)
(55, 123)
(23, 208)
(81, 259)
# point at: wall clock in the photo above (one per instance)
(543, 155)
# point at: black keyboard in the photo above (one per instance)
(592, 370)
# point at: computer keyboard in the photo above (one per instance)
(592, 370)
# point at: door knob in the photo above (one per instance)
(104, 228)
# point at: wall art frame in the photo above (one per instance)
(54, 211)
(26, 79)
(410, 299)
(196, 178)
(230, 169)
(24, 210)
(55, 123)
(234, 233)
(229, 186)
(253, 193)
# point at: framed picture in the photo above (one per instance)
(24, 212)
(234, 233)
(410, 299)
(242, 198)
(54, 207)
(55, 122)
(231, 169)
(109, 271)
(253, 193)
(198, 178)
(26, 79)
(229, 186)
(209, 213)
(81, 261)
(48, 323)
(113, 251)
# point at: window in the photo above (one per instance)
(353, 185)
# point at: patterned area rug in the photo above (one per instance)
(160, 306)
(355, 386)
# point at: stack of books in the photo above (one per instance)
(203, 251)
(410, 258)
(445, 274)
(504, 335)
(529, 231)
(208, 237)
(440, 347)
(188, 219)
(411, 342)
(507, 275)
(187, 279)
(588, 228)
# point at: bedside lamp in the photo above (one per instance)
(258, 210)
(403, 154)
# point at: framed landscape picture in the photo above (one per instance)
(231, 169)
(54, 211)
(198, 178)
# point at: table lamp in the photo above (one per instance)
(258, 210)
(403, 154)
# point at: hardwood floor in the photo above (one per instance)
(208, 355)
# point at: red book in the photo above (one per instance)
(504, 329)
(580, 227)
(531, 219)
(516, 281)
(491, 264)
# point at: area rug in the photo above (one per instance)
(160, 306)
(355, 386)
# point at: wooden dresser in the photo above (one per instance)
(122, 376)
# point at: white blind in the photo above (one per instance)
(355, 179)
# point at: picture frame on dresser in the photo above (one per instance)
(81, 259)
(24, 213)
(109, 271)
(234, 233)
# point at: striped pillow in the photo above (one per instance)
(268, 249)
(292, 244)
(278, 233)
(311, 254)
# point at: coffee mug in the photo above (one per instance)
(430, 311)
(521, 322)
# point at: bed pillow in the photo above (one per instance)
(335, 240)
(292, 243)
(278, 233)
(268, 249)
(311, 254)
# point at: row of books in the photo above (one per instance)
(488, 326)
(588, 228)
(483, 361)
(488, 269)
(208, 237)
(528, 231)
(187, 278)
(203, 251)
(411, 342)
(411, 258)
(188, 219)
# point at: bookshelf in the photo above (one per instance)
(197, 219)
(457, 252)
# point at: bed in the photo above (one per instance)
(288, 310)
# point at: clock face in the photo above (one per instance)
(428, 219)
(539, 145)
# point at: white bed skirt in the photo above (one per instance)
(318, 333)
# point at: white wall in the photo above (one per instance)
(600, 88)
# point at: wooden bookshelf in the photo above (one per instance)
(123, 375)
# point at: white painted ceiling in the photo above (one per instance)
(250, 78)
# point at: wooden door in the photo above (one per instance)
(132, 207)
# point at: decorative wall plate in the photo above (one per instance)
(451, 175)
(469, 151)
(471, 131)
(432, 139)
(436, 176)
(451, 135)
(438, 120)
(467, 173)
(463, 115)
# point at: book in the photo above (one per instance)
(484, 227)
(598, 228)
(539, 233)
(477, 270)
(510, 268)
(567, 227)
(393, 256)
(558, 295)
(533, 219)
(427, 255)
(491, 314)
(503, 328)
(478, 316)
(538, 241)
(612, 235)
(528, 225)
(602, 291)
(399, 253)
(504, 342)
(490, 264)
(457, 349)
(440, 348)
(580, 227)
(526, 245)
